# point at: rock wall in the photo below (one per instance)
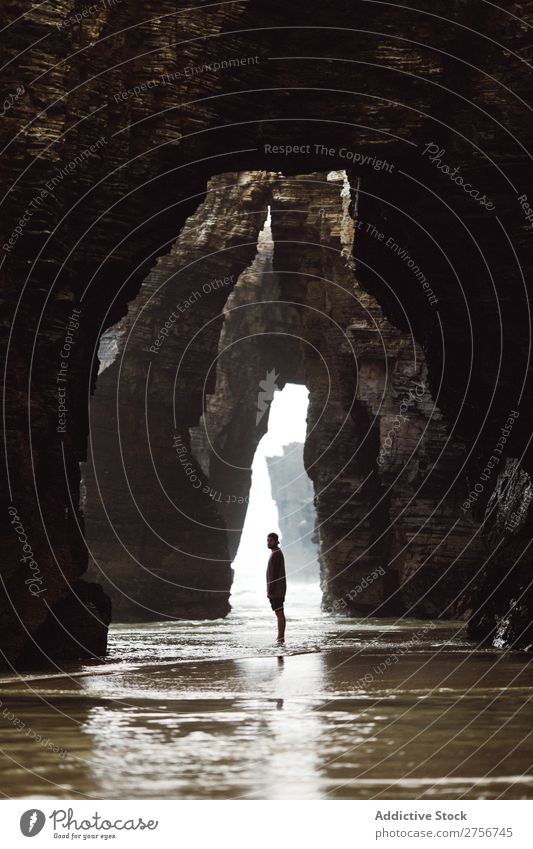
(391, 535)
(258, 351)
(383, 465)
(501, 598)
(155, 531)
(116, 121)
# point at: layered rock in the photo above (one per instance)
(128, 152)
(383, 466)
(156, 535)
(258, 352)
(501, 597)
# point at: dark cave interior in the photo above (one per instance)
(155, 193)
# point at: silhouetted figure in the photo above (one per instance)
(276, 583)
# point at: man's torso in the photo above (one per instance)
(275, 574)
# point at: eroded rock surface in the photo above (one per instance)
(127, 117)
(155, 532)
(383, 465)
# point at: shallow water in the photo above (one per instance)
(350, 709)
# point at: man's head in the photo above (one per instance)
(272, 540)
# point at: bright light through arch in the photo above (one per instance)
(286, 424)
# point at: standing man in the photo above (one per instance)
(276, 583)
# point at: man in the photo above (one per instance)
(276, 583)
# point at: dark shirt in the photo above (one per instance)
(275, 574)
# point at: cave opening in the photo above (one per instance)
(260, 291)
(171, 193)
(281, 500)
(164, 526)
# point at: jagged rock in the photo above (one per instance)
(385, 496)
(130, 153)
(157, 537)
(257, 335)
(75, 630)
(500, 602)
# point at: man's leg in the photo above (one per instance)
(281, 624)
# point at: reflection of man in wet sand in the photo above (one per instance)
(276, 583)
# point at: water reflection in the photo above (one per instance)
(215, 710)
(283, 761)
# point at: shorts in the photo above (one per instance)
(277, 603)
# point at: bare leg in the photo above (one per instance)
(281, 624)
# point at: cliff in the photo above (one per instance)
(114, 123)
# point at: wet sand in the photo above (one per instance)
(358, 710)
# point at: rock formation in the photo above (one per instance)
(157, 539)
(383, 466)
(113, 123)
